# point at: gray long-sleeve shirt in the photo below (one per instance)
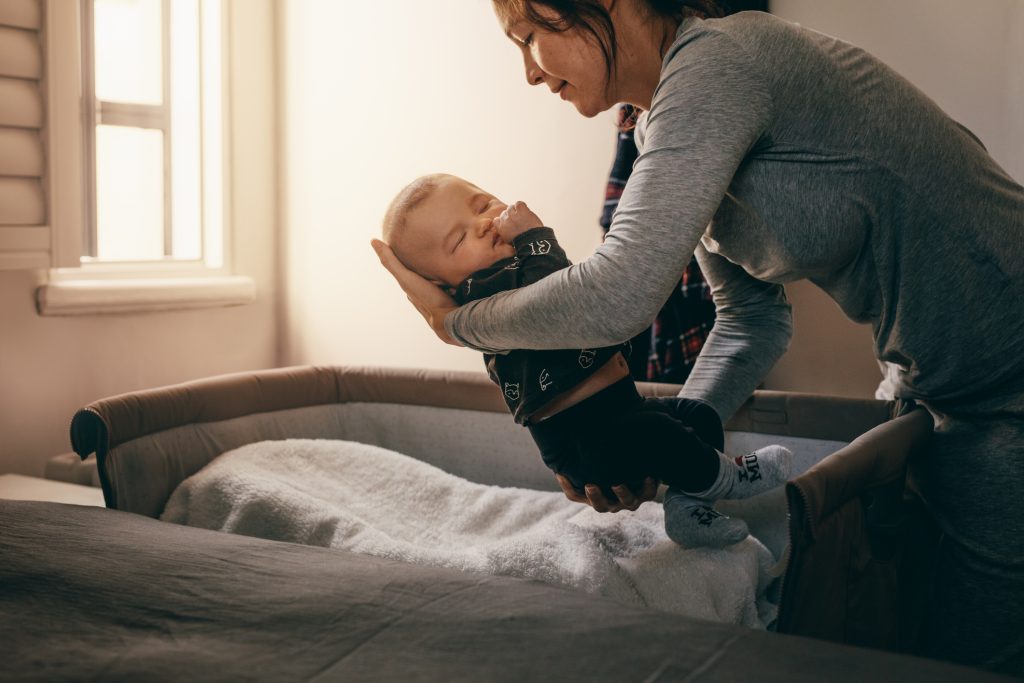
(778, 154)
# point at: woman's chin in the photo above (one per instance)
(587, 110)
(591, 109)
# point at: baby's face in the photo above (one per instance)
(451, 233)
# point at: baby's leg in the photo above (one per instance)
(558, 448)
(575, 443)
(690, 459)
(705, 471)
(747, 475)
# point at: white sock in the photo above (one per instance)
(693, 523)
(747, 475)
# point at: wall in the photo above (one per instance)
(51, 366)
(372, 99)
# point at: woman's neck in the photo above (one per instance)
(643, 42)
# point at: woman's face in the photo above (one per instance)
(570, 63)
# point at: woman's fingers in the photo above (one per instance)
(569, 490)
(594, 497)
(598, 500)
(633, 499)
(626, 497)
(431, 301)
(650, 491)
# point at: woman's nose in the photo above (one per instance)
(534, 74)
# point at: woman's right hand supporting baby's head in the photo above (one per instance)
(431, 301)
(515, 220)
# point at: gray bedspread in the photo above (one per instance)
(95, 594)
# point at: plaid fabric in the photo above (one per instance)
(666, 351)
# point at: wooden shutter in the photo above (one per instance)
(40, 134)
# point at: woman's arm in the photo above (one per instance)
(753, 325)
(709, 110)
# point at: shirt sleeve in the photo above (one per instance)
(539, 255)
(710, 109)
(753, 326)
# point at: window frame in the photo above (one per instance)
(74, 286)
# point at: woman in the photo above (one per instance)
(776, 153)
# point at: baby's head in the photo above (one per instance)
(442, 227)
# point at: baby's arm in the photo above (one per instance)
(538, 253)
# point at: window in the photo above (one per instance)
(152, 82)
(153, 229)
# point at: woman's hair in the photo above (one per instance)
(594, 20)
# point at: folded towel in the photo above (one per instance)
(367, 499)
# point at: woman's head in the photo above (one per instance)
(596, 53)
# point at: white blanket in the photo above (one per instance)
(366, 499)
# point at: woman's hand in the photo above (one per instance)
(429, 299)
(595, 498)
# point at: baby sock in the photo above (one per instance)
(747, 475)
(693, 523)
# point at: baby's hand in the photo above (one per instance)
(515, 220)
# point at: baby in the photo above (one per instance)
(580, 405)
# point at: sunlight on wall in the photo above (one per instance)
(374, 99)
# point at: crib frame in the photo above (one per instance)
(861, 543)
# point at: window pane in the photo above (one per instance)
(129, 52)
(213, 131)
(129, 193)
(186, 140)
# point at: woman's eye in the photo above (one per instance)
(528, 40)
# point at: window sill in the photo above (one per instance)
(92, 297)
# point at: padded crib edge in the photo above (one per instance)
(109, 422)
(861, 542)
(811, 416)
(876, 458)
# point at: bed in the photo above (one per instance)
(116, 594)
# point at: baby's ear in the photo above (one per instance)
(442, 284)
(449, 289)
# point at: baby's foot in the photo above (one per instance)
(693, 523)
(757, 472)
